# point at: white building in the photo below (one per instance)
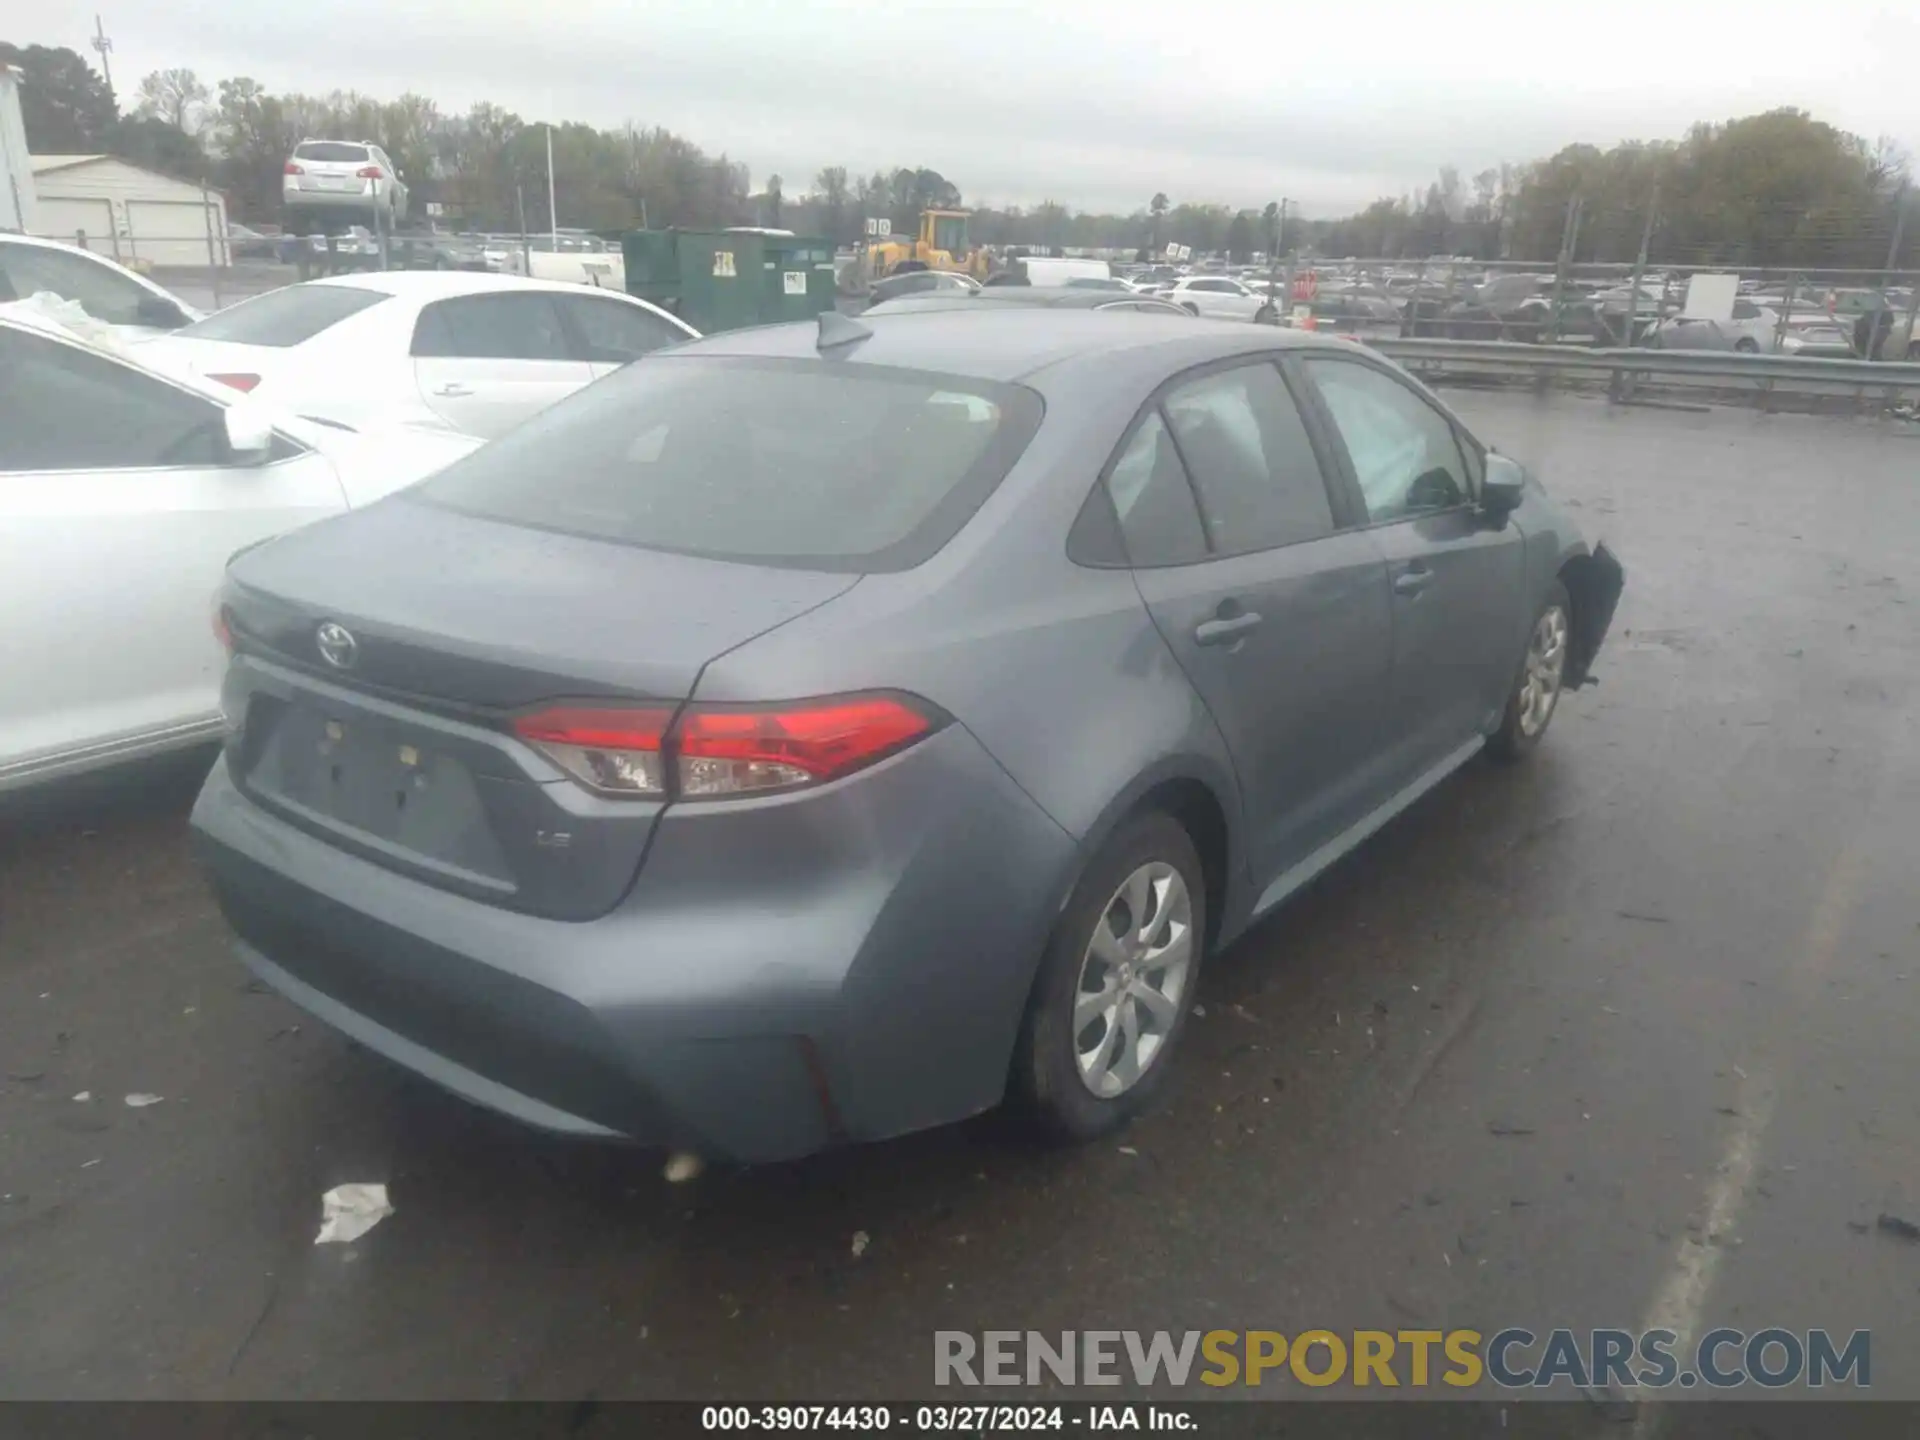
(126, 213)
(16, 173)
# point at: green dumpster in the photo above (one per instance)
(727, 279)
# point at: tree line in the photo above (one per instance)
(1776, 188)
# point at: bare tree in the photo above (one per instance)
(174, 97)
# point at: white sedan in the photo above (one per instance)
(122, 494)
(1218, 297)
(473, 353)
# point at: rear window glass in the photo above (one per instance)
(329, 150)
(284, 317)
(809, 465)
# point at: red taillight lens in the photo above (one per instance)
(724, 751)
(370, 172)
(613, 750)
(240, 382)
(721, 750)
(222, 629)
(294, 169)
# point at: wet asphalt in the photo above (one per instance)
(1624, 1036)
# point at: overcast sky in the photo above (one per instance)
(1331, 105)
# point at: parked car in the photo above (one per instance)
(340, 182)
(434, 250)
(474, 353)
(115, 476)
(246, 243)
(1219, 298)
(920, 282)
(1751, 330)
(1817, 335)
(820, 731)
(110, 293)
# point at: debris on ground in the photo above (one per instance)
(83, 1097)
(682, 1166)
(860, 1243)
(1858, 1227)
(1494, 1127)
(1128, 1150)
(349, 1211)
(1643, 917)
(140, 1100)
(26, 1076)
(1894, 1225)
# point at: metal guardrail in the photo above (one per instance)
(1767, 371)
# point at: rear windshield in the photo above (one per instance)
(284, 317)
(819, 465)
(329, 150)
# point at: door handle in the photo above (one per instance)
(1224, 632)
(1412, 582)
(453, 389)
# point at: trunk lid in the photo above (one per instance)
(393, 742)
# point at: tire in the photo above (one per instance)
(1747, 345)
(1523, 723)
(1191, 308)
(1058, 1074)
(1266, 315)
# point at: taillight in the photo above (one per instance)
(239, 381)
(370, 172)
(222, 627)
(720, 750)
(294, 168)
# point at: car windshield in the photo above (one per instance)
(284, 317)
(783, 463)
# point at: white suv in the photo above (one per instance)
(331, 183)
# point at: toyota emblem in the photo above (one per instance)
(337, 645)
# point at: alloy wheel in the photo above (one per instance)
(1133, 978)
(1546, 667)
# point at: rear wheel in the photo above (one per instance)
(1116, 982)
(1536, 690)
(1266, 315)
(1747, 345)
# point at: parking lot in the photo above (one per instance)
(1622, 1037)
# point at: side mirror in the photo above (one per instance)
(1502, 488)
(249, 433)
(159, 313)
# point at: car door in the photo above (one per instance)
(1457, 581)
(609, 332)
(484, 363)
(1274, 603)
(117, 516)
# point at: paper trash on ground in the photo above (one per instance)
(350, 1211)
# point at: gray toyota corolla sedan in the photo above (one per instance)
(815, 733)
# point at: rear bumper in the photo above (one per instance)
(784, 975)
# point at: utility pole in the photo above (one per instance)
(1568, 234)
(553, 212)
(101, 43)
(1640, 260)
(1882, 320)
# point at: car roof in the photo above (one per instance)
(437, 284)
(1060, 297)
(1013, 342)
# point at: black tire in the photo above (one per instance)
(1747, 345)
(1046, 1076)
(1190, 308)
(1512, 741)
(1266, 315)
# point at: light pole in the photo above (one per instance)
(553, 213)
(101, 43)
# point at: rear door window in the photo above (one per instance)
(772, 462)
(526, 326)
(1254, 469)
(286, 317)
(1158, 519)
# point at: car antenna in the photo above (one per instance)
(837, 331)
